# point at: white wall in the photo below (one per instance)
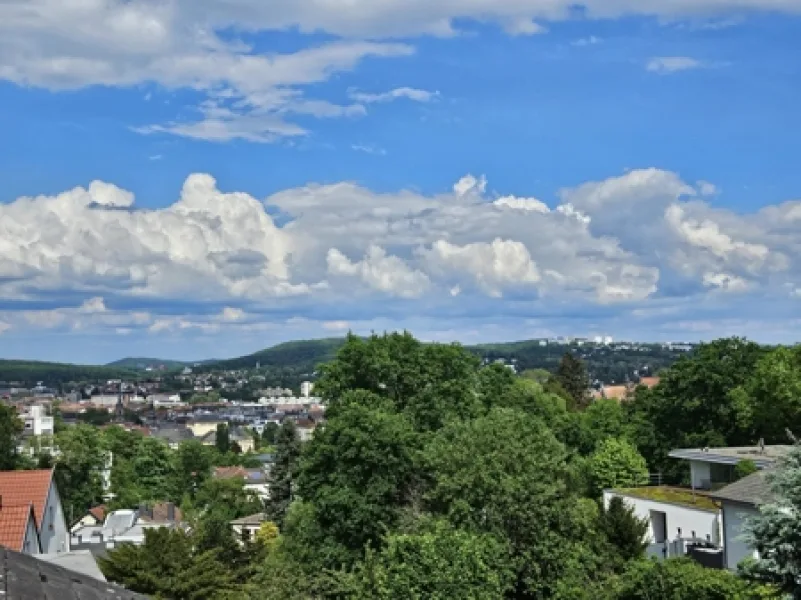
(703, 522)
(53, 532)
(700, 474)
(30, 544)
(734, 516)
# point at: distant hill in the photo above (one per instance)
(609, 364)
(302, 356)
(28, 372)
(139, 364)
(289, 363)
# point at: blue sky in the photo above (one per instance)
(187, 180)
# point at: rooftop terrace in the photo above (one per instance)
(672, 495)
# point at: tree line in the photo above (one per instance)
(437, 477)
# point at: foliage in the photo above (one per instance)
(226, 497)
(81, 460)
(774, 533)
(191, 468)
(680, 579)
(356, 474)
(700, 401)
(30, 372)
(270, 433)
(284, 471)
(744, 468)
(168, 565)
(95, 416)
(222, 440)
(616, 463)
(624, 531)
(10, 429)
(441, 564)
(572, 377)
(505, 474)
(430, 383)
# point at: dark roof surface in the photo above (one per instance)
(752, 489)
(23, 577)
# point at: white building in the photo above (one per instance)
(739, 501)
(711, 468)
(306, 388)
(676, 518)
(165, 401)
(37, 422)
(37, 434)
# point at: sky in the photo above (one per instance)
(196, 179)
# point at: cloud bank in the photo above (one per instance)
(643, 244)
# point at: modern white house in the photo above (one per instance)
(712, 468)
(676, 518)
(739, 501)
(682, 520)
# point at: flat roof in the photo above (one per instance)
(669, 495)
(763, 456)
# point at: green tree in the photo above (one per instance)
(270, 433)
(430, 383)
(227, 497)
(81, 460)
(442, 564)
(222, 440)
(617, 464)
(773, 395)
(284, 471)
(10, 429)
(191, 467)
(774, 533)
(572, 377)
(700, 401)
(154, 468)
(356, 476)
(505, 474)
(744, 468)
(168, 565)
(625, 532)
(681, 579)
(95, 416)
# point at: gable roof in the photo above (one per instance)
(27, 577)
(752, 489)
(99, 512)
(26, 487)
(14, 524)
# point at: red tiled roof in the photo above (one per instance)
(98, 512)
(26, 487)
(13, 523)
(229, 472)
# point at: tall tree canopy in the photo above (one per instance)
(284, 471)
(572, 377)
(10, 429)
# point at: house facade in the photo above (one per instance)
(18, 529)
(676, 519)
(38, 489)
(739, 502)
